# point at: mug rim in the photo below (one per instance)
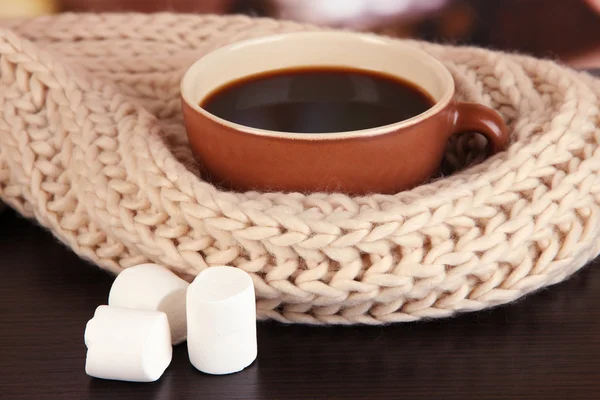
(439, 105)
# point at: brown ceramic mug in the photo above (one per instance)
(385, 159)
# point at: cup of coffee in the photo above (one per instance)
(325, 111)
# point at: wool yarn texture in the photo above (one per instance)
(92, 146)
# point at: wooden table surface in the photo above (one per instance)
(546, 346)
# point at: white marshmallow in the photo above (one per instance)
(221, 314)
(152, 287)
(127, 345)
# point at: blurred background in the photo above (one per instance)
(565, 30)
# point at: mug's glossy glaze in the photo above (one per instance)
(385, 159)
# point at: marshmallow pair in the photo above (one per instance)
(150, 309)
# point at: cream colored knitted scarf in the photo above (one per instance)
(92, 146)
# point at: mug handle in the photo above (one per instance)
(473, 117)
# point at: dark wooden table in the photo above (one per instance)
(546, 346)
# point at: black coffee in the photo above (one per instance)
(317, 100)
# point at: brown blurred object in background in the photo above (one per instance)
(566, 30)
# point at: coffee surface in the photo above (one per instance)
(317, 100)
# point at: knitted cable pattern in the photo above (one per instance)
(93, 147)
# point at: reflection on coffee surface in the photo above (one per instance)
(317, 100)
